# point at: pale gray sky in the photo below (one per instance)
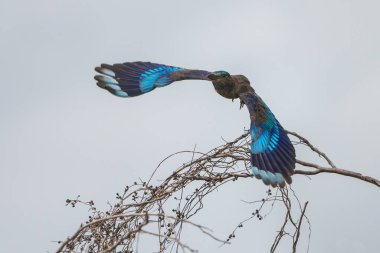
(315, 63)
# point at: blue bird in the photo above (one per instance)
(272, 153)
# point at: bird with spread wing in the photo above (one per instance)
(272, 153)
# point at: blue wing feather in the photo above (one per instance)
(136, 78)
(272, 154)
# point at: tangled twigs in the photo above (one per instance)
(290, 222)
(164, 211)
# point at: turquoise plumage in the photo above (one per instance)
(135, 78)
(272, 154)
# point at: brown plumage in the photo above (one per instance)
(231, 86)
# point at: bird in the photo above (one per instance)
(272, 155)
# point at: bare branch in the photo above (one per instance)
(304, 141)
(343, 172)
(299, 227)
(144, 208)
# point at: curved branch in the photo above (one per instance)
(306, 142)
(343, 172)
(332, 169)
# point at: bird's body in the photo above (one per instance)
(272, 153)
(231, 87)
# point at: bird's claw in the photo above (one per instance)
(241, 104)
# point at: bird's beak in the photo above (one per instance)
(212, 77)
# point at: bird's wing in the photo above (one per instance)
(272, 153)
(135, 78)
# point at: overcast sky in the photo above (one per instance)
(315, 63)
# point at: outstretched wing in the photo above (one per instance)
(135, 78)
(272, 153)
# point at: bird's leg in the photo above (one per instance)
(241, 104)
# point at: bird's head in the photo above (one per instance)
(221, 74)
